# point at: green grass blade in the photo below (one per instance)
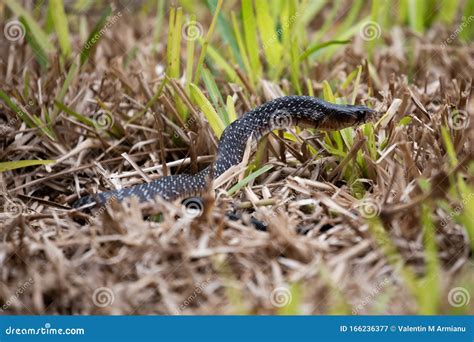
(402, 12)
(467, 33)
(41, 55)
(189, 59)
(416, 15)
(450, 150)
(356, 84)
(250, 37)
(349, 20)
(45, 128)
(468, 213)
(312, 49)
(225, 30)
(266, 26)
(174, 42)
(209, 112)
(17, 109)
(150, 102)
(392, 254)
(430, 295)
(215, 95)
(205, 43)
(309, 87)
(221, 63)
(159, 16)
(368, 130)
(170, 40)
(327, 92)
(91, 43)
(311, 9)
(292, 42)
(79, 117)
(83, 5)
(447, 12)
(231, 109)
(347, 135)
(349, 79)
(248, 179)
(18, 164)
(329, 20)
(242, 49)
(67, 83)
(26, 83)
(48, 25)
(61, 26)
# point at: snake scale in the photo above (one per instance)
(280, 113)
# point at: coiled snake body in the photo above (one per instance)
(279, 113)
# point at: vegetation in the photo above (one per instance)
(95, 96)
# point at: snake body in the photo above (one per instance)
(282, 112)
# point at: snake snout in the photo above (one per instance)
(363, 114)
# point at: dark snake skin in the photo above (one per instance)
(282, 112)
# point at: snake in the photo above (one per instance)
(279, 113)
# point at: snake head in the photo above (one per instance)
(348, 116)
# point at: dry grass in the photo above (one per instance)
(118, 261)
